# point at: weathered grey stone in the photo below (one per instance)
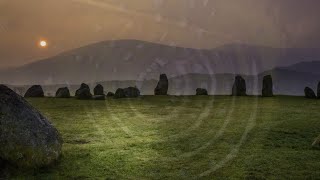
(267, 87)
(239, 87)
(131, 92)
(309, 93)
(63, 93)
(83, 92)
(98, 90)
(27, 138)
(162, 86)
(201, 92)
(110, 94)
(34, 91)
(119, 93)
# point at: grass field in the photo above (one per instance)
(214, 137)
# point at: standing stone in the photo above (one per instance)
(239, 87)
(110, 94)
(35, 91)
(309, 93)
(267, 87)
(63, 93)
(27, 138)
(318, 91)
(162, 86)
(83, 92)
(201, 92)
(98, 90)
(132, 92)
(119, 93)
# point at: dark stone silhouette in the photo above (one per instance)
(110, 94)
(35, 91)
(119, 93)
(318, 91)
(267, 87)
(309, 93)
(27, 138)
(98, 90)
(83, 92)
(162, 86)
(63, 93)
(201, 91)
(99, 97)
(131, 92)
(239, 87)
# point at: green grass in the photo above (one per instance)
(215, 137)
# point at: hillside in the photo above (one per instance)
(138, 60)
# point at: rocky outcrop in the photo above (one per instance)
(162, 86)
(309, 93)
(239, 87)
(98, 90)
(201, 92)
(267, 86)
(63, 93)
(27, 138)
(35, 91)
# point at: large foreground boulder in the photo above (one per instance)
(239, 87)
(27, 138)
(201, 92)
(98, 90)
(267, 86)
(162, 86)
(63, 93)
(83, 92)
(119, 93)
(34, 91)
(131, 92)
(309, 93)
(318, 91)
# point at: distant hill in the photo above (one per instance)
(308, 67)
(137, 60)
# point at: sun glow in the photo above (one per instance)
(43, 43)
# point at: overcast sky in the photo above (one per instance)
(67, 24)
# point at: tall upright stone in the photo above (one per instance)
(309, 93)
(267, 87)
(162, 86)
(83, 92)
(34, 91)
(239, 87)
(63, 93)
(98, 90)
(27, 138)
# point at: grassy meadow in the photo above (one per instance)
(191, 137)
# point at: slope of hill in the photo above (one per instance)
(138, 60)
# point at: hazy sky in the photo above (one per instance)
(68, 24)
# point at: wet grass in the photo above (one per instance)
(215, 137)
